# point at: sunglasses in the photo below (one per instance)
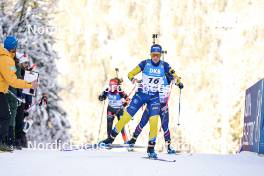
(155, 55)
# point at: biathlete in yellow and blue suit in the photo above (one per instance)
(164, 117)
(153, 79)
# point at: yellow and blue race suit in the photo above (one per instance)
(153, 78)
(164, 114)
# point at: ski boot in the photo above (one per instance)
(107, 142)
(131, 143)
(151, 152)
(170, 150)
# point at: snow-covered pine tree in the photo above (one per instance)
(29, 21)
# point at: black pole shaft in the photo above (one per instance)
(101, 122)
(179, 115)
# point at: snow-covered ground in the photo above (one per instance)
(108, 163)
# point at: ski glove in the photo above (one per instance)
(101, 98)
(180, 85)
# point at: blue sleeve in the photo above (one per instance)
(142, 64)
(167, 67)
(169, 78)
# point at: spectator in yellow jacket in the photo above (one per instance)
(8, 78)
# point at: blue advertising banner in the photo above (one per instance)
(253, 133)
(261, 142)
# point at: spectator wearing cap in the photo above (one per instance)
(20, 135)
(13, 104)
(8, 78)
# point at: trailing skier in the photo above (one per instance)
(117, 100)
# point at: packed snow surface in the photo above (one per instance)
(31, 162)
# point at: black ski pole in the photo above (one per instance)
(101, 122)
(179, 115)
